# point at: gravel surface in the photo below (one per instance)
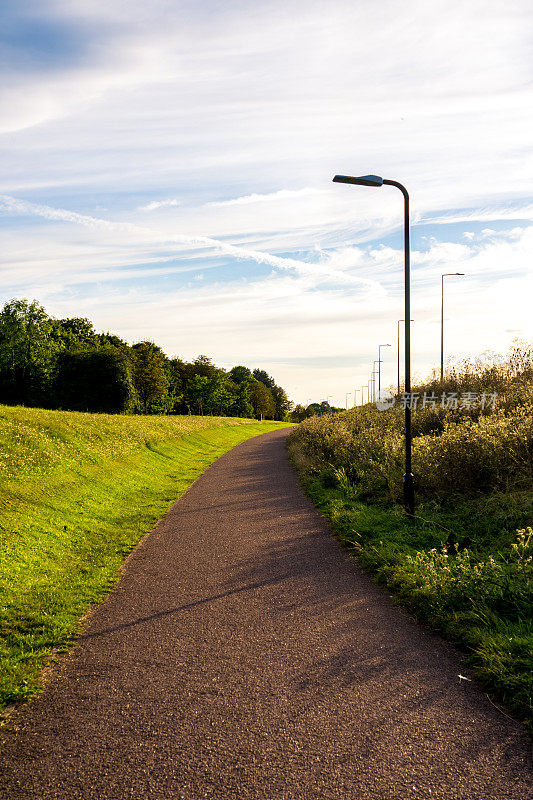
(244, 655)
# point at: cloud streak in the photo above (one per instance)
(13, 205)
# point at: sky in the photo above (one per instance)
(166, 172)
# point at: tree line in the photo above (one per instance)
(66, 364)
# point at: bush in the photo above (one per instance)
(472, 450)
(94, 380)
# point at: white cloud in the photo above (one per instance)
(282, 194)
(160, 204)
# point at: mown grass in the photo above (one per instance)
(77, 492)
(465, 564)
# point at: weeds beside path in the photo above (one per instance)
(465, 564)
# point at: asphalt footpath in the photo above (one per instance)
(245, 655)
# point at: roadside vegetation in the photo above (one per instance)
(465, 564)
(77, 492)
(66, 364)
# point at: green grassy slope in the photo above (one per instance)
(77, 492)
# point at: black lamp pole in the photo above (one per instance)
(400, 320)
(375, 180)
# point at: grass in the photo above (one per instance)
(78, 491)
(479, 596)
(465, 565)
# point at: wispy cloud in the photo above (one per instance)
(160, 204)
(282, 194)
(309, 269)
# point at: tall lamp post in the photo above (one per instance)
(446, 275)
(374, 373)
(375, 180)
(379, 366)
(400, 320)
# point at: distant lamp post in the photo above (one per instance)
(400, 320)
(379, 366)
(374, 373)
(446, 275)
(376, 180)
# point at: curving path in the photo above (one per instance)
(244, 655)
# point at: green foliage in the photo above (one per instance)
(262, 400)
(480, 595)
(465, 564)
(78, 491)
(26, 352)
(282, 403)
(454, 451)
(64, 363)
(149, 375)
(264, 378)
(241, 375)
(94, 380)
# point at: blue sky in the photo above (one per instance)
(167, 172)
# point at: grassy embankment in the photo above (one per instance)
(465, 565)
(77, 492)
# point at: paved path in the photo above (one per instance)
(243, 655)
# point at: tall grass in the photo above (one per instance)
(463, 450)
(466, 563)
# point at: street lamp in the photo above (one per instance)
(400, 320)
(379, 366)
(374, 373)
(375, 180)
(446, 275)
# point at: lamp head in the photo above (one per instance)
(364, 180)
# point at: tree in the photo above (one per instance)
(281, 401)
(299, 413)
(94, 380)
(241, 375)
(26, 353)
(264, 377)
(202, 365)
(262, 400)
(241, 405)
(80, 329)
(198, 392)
(149, 375)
